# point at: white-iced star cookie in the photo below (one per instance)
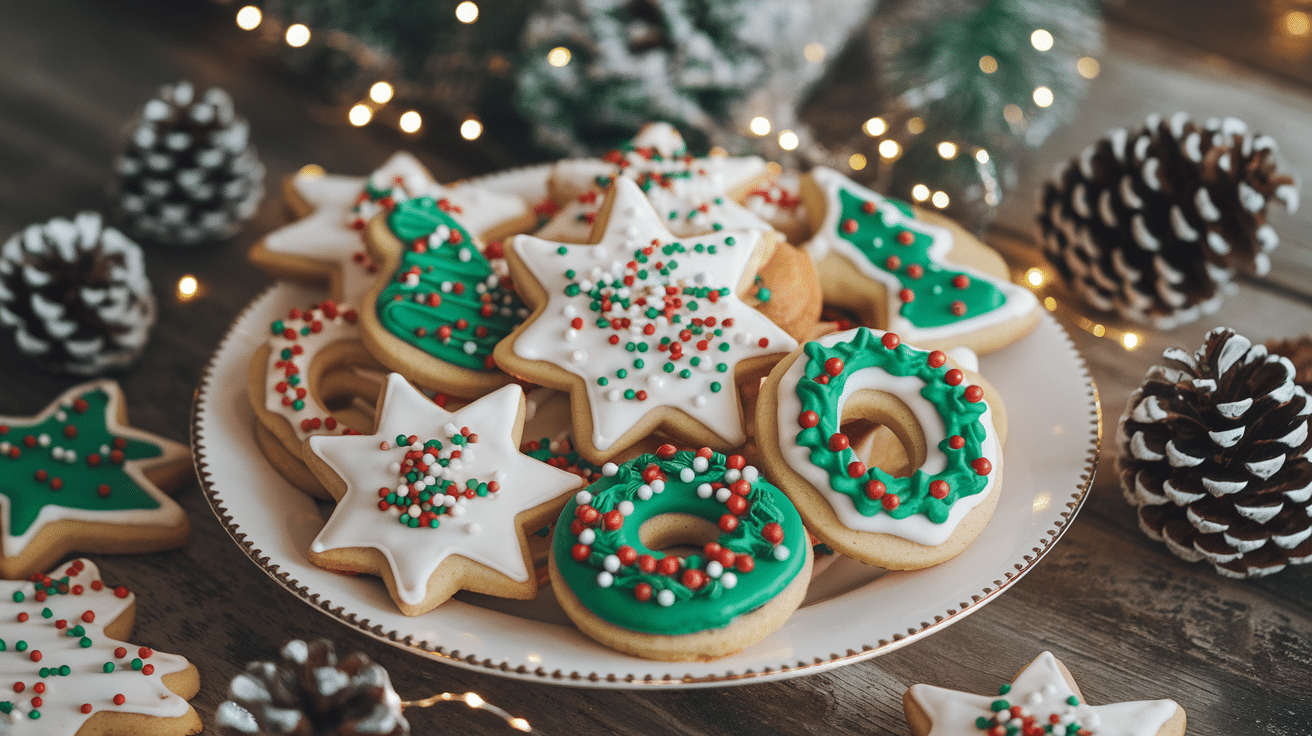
(436, 501)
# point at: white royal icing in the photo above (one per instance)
(87, 682)
(485, 532)
(585, 352)
(1019, 301)
(917, 527)
(334, 330)
(1040, 689)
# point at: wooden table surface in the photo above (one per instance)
(1129, 619)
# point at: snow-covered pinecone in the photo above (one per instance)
(188, 173)
(76, 295)
(310, 692)
(1154, 224)
(1299, 352)
(1214, 453)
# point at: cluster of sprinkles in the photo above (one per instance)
(429, 482)
(69, 458)
(445, 298)
(891, 239)
(1015, 719)
(295, 340)
(53, 648)
(561, 454)
(871, 488)
(383, 197)
(606, 538)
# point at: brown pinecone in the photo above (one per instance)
(76, 295)
(1213, 452)
(1154, 224)
(1299, 352)
(188, 173)
(310, 692)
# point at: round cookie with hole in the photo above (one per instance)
(934, 478)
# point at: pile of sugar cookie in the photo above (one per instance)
(622, 378)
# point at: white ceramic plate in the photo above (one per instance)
(852, 612)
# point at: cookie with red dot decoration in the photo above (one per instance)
(1041, 699)
(909, 271)
(77, 477)
(924, 485)
(69, 671)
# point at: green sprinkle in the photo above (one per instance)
(731, 240)
(721, 367)
(724, 347)
(1072, 700)
(603, 381)
(18, 596)
(621, 373)
(562, 250)
(668, 367)
(982, 723)
(998, 706)
(108, 668)
(685, 373)
(638, 363)
(629, 394)
(1004, 689)
(65, 670)
(298, 404)
(715, 387)
(20, 646)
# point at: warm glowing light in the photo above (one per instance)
(889, 149)
(856, 161)
(1088, 67)
(947, 150)
(982, 156)
(1041, 39)
(939, 200)
(718, 152)
(467, 12)
(1099, 330)
(1050, 304)
(875, 127)
(1130, 340)
(1034, 276)
(474, 700)
(311, 171)
(1013, 114)
(788, 140)
(298, 35)
(471, 129)
(359, 115)
(558, 56)
(759, 125)
(1297, 23)
(814, 52)
(920, 192)
(249, 18)
(519, 724)
(915, 126)
(411, 121)
(988, 64)
(1042, 96)
(381, 92)
(187, 287)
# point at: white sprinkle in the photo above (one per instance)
(583, 498)
(665, 598)
(472, 529)
(625, 508)
(605, 579)
(587, 536)
(714, 569)
(728, 580)
(732, 475)
(609, 469)
(704, 490)
(644, 492)
(43, 440)
(781, 552)
(611, 563)
(700, 464)
(723, 494)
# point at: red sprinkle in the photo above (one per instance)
(119, 699)
(580, 552)
(838, 442)
(937, 359)
(772, 533)
(982, 466)
(834, 366)
(849, 226)
(939, 489)
(890, 340)
(642, 591)
(906, 237)
(974, 393)
(954, 377)
(956, 442)
(668, 565)
(808, 419)
(728, 523)
(890, 501)
(856, 469)
(907, 295)
(961, 281)
(875, 490)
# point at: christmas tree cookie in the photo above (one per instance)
(76, 477)
(1042, 699)
(909, 272)
(67, 669)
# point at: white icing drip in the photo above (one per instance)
(1180, 459)
(1229, 437)
(1142, 235)
(1266, 468)
(1234, 409)
(1223, 487)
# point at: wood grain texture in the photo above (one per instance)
(1129, 620)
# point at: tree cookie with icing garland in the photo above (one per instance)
(911, 272)
(436, 501)
(616, 569)
(77, 477)
(78, 674)
(646, 331)
(1043, 699)
(949, 422)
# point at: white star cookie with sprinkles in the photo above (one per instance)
(1042, 699)
(645, 330)
(911, 272)
(66, 669)
(77, 477)
(436, 501)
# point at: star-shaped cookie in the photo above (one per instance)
(436, 501)
(77, 477)
(1041, 699)
(644, 329)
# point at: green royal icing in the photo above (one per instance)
(960, 417)
(935, 293)
(713, 606)
(81, 480)
(454, 263)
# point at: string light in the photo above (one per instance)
(988, 64)
(467, 12)
(940, 199)
(875, 127)
(471, 129)
(558, 56)
(920, 192)
(1013, 114)
(1038, 279)
(473, 700)
(188, 287)
(947, 150)
(788, 140)
(856, 161)
(411, 121)
(915, 126)
(889, 149)
(759, 126)
(249, 18)
(1297, 23)
(1042, 96)
(381, 92)
(1035, 277)
(298, 34)
(1130, 340)
(982, 156)
(814, 52)
(1041, 40)
(360, 115)
(1088, 67)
